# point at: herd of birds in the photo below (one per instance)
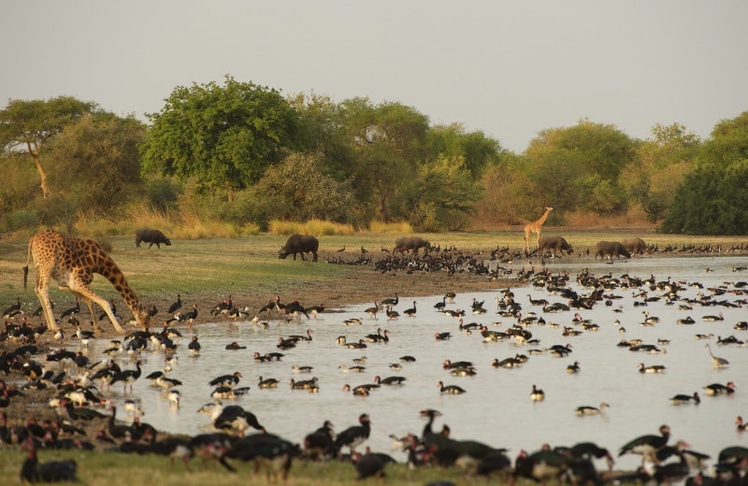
(84, 397)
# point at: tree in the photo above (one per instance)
(96, 162)
(224, 136)
(26, 126)
(297, 189)
(476, 150)
(713, 199)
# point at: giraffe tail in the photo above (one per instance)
(26, 267)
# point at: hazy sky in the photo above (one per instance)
(509, 69)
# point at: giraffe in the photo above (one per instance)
(72, 262)
(535, 227)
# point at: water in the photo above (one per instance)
(496, 408)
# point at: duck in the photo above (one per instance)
(720, 389)
(450, 389)
(352, 369)
(651, 369)
(589, 410)
(267, 383)
(741, 426)
(537, 395)
(301, 369)
(573, 368)
(681, 399)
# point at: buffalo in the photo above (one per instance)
(151, 236)
(554, 244)
(635, 245)
(610, 249)
(410, 243)
(300, 244)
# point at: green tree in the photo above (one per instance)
(476, 150)
(297, 189)
(223, 136)
(26, 126)
(97, 163)
(713, 199)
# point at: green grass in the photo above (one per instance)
(113, 469)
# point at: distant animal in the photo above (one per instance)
(554, 244)
(410, 243)
(635, 246)
(152, 236)
(611, 249)
(300, 244)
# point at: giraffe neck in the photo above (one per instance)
(109, 270)
(543, 218)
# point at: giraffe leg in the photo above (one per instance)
(42, 293)
(89, 296)
(89, 303)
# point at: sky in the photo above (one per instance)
(509, 69)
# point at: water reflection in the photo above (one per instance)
(496, 407)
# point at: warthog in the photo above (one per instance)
(410, 243)
(554, 244)
(300, 244)
(151, 236)
(610, 249)
(635, 245)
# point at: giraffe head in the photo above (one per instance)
(141, 316)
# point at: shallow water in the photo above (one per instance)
(496, 408)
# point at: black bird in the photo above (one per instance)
(72, 311)
(370, 465)
(317, 443)
(188, 316)
(393, 301)
(647, 445)
(272, 452)
(176, 305)
(12, 310)
(222, 307)
(128, 376)
(226, 380)
(33, 471)
(353, 436)
(234, 417)
(194, 345)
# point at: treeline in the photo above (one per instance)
(246, 155)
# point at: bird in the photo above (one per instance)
(442, 336)
(371, 464)
(651, 369)
(450, 296)
(391, 314)
(720, 389)
(713, 318)
(353, 436)
(129, 377)
(32, 471)
(390, 380)
(573, 368)
(681, 399)
(716, 360)
(372, 311)
(450, 389)
(194, 346)
(392, 301)
(176, 305)
(686, 321)
(318, 443)
(537, 395)
(226, 380)
(189, 316)
(589, 410)
(740, 425)
(12, 310)
(647, 445)
(411, 312)
(341, 250)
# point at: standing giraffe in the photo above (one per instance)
(72, 262)
(535, 227)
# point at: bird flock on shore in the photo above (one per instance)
(82, 394)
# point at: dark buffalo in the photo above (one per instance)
(610, 249)
(635, 245)
(410, 243)
(300, 244)
(554, 244)
(151, 236)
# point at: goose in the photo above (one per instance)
(439, 306)
(391, 314)
(720, 389)
(471, 371)
(589, 410)
(686, 321)
(352, 369)
(650, 319)
(647, 445)
(372, 311)
(537, 395)
(573, 368)
(651, 369)
(411, 312)
(176, 305)
(741, 427)
(267, 383)
(443, 336)
(393, 301)
(450, 296)
(716, 360)
(713, 318)
(682, 399)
